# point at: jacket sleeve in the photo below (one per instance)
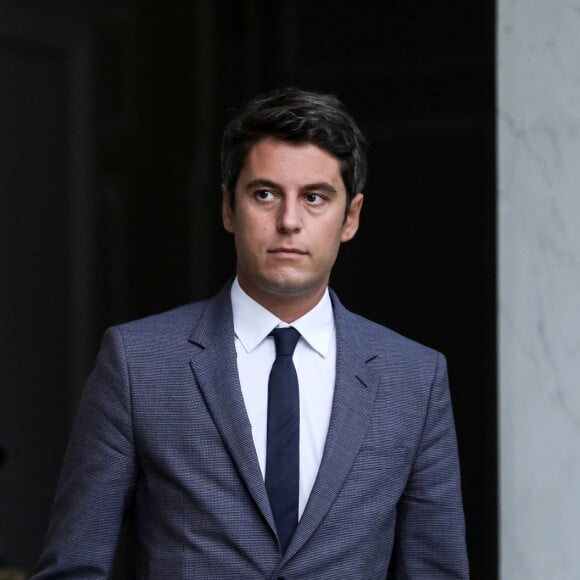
(98, 474)
(430, 529)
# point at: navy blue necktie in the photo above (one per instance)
(282, 467)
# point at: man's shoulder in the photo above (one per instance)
(178, 322)
(388, 351)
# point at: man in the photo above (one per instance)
(349, 471)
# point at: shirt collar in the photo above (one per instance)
(253, 323)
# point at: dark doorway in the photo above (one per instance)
(124, 146)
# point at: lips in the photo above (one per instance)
(286, 251)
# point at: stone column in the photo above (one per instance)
(539, 288)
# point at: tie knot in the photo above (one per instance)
(286, 340)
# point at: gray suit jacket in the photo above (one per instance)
(162, 434)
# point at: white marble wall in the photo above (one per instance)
(539, 288)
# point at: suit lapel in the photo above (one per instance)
(215, 369)
(354, 396)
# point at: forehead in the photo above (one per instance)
(270, 151)
(304, 162)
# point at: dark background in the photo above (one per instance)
(110, 120)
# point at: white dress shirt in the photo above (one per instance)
(315, 362)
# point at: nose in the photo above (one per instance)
(289, 218)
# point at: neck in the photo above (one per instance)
(287, 307)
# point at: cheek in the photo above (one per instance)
(250, 237)
(330, 232)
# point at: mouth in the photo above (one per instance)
(288, 251)
(285, 250)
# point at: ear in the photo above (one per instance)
(350, 225)
(227, 210)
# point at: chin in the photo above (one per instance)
(291, 287)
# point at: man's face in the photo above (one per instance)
(288, 221)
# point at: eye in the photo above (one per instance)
(264, 195)
(314, 198)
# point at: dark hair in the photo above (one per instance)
(298, 116)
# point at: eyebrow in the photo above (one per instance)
(262, 183)
(317, 186)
